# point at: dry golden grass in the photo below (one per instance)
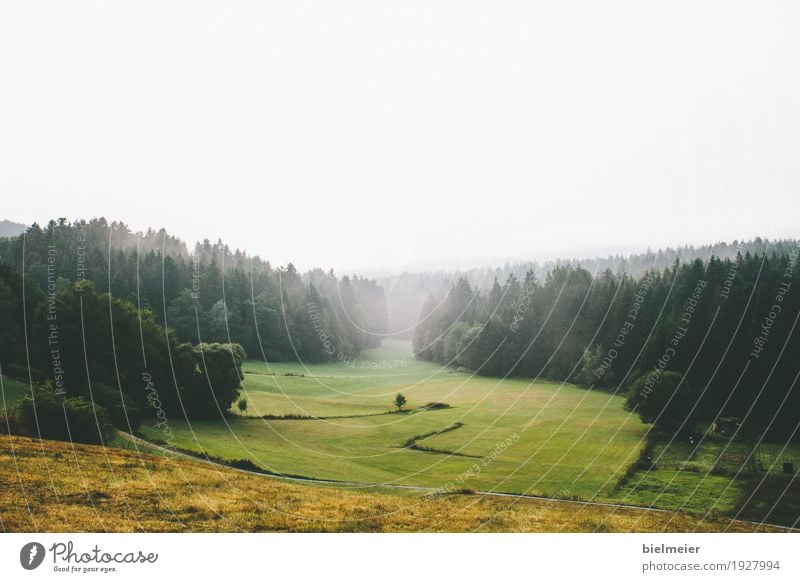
(55, 487)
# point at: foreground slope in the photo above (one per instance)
(56, 486)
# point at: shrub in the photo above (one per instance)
(121, 409)
(8, 421)
(664, 399)
(436, 406)
(22, 372)
(51, 416)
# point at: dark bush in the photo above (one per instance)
(436, 406)
(51, 416)
(21, 373)
(8, 421)
(121, 409)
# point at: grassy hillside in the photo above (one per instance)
(56, 486)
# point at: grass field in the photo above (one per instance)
(510, 436)
(719, 476)
(337, 422)
(51, 486)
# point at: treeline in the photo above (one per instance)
(212, 295)
(726, 327)
(112, 327)
(406, 292)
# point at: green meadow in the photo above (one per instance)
(459, 432)
(513, 436)
(715, 477)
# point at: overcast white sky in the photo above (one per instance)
(369, 134)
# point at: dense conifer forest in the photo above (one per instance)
(407, 291)
(92, 312)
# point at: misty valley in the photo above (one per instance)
(649, 392)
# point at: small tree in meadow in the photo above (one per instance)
(242, 404)
(400, 402)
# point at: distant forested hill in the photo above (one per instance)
(8, 228)
(211, 294)
(407, 292)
